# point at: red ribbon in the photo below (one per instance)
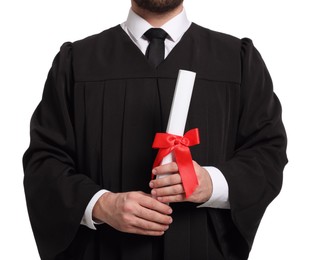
(168, 143)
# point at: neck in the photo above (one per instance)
(156, 19)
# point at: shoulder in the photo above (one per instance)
(220, 54)
(89, 44)
(223, 41)
(90, 54)
(217, 39)
(96, 40)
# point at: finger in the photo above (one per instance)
(140, 226)
(151, 216)
(147, 232)
(173, 198)
(155, 205)
(165, 169)
(168, 191)
(151, 225)
(168, 180)
(148, 222)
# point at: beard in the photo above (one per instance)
(158, 6)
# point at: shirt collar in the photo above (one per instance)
(175, 27)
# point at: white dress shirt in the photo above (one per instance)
(135, 26)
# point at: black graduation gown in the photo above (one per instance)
(101, 107)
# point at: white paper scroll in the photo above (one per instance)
(180, 106)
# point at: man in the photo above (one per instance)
(87, 170)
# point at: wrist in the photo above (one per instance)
(100, 209)
(209, 186)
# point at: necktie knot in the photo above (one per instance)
(155, 52)
(155, 33)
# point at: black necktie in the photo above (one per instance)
(155, 52)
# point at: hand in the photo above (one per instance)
(170, 189)
(133, 212)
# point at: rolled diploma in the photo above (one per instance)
(179, 108)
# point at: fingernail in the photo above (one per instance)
(151, 184)
(154, 171)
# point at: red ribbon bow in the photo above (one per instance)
(180, 146)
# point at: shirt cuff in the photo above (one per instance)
(87, 219)
(219, 197)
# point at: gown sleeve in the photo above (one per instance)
(254, 170)
(56, 194)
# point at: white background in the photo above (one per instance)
(31, 34)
